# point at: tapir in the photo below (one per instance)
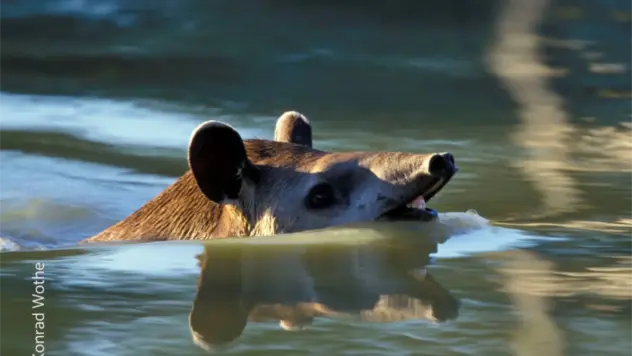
(257, 187)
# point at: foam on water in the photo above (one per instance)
(471, 233)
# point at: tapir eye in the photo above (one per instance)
(321, 196)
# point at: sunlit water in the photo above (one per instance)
(543, 268)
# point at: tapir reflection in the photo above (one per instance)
(293, 284)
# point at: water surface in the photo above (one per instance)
(532, 98)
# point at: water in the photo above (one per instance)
(99, 98)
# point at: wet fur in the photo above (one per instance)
(238, 188)
(183, 212)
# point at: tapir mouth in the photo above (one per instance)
(415, 208)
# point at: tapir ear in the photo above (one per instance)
(293, 127)
(217, 157)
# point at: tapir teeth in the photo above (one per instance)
(417, 203)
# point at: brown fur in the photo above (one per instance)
(259, 187)
(182, 212)
(293, 127)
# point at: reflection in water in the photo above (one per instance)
(605, 149)
(613, 283)
(538, 334)
(622, 227)
(381, 281)
(544, 128)
(535, 286)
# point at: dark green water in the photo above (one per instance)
(98, 99)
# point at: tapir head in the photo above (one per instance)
(286, 185)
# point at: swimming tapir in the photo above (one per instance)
(256, 187)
